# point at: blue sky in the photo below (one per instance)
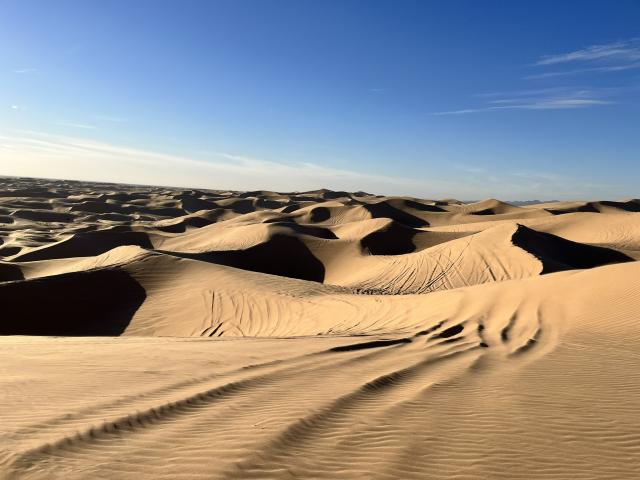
(465, 99)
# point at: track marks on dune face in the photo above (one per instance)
(481, 335)
(451, 331)
(534, 337)
(137, 421)
(504, 333)
(213, 331)
(532, 342)
(430, 329)
(215, 325)
(345, 420)
(366, 345)
(248, 381)
(438, 268)
(334, 423)
(524, 332)
(350, 383)
(343, 392)
(155, 395)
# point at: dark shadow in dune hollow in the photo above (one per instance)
(9, 272)
(281, 255)
(396, 239)
(558, 254)
(94, 303)
(384, 210)
(88, 244)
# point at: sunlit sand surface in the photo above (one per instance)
(151, 332)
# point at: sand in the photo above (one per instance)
(152, 332)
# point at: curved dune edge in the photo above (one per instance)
(522, 365)
(315, 335)
(168, 295)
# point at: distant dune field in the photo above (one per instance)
(151, 332)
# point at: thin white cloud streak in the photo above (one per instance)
(627, 50)
(33, 154)
(56, 156)
(23, 71)
(463, 111)
(77, 125)
(579, 71)
(524, 93)
(539, 104)
(532, 96)
(559, 103)
(553, 98)
(610, 57)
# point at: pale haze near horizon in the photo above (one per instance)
(403, 98)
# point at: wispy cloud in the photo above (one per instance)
(470, 169)
(609, 57)
(58, 156)
(23, 71)
(560, 103)
(578, 71)
(15, 107)
(522, 93)
(77, 125)
(55, 156)
(625, 51)
(520, 101)
(461, 112)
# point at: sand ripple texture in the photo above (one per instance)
(152, 332)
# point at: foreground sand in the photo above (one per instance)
(348, 336)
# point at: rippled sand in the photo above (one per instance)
(347, 335)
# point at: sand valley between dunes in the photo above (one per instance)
(160, 333)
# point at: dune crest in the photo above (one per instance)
(318, 334)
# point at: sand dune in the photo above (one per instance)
(315, 334)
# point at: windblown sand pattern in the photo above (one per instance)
(321, 335)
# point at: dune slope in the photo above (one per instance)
(150, 332)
